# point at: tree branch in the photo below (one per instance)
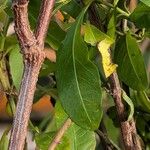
(43, 20)
(60, 134)
(128, 130)
(33, 55)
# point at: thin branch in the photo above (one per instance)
(22, 27)
(43, 20)
(60, 134)
(128, 130)
(108, 142)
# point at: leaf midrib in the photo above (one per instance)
(74, 67)
(132, 63)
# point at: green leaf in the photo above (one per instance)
(141, 16)
(80, 139)
(115, 2)
(16, 66)
(55, 34)
(111, 29)
(143, 99)
(3, 19)
(131, 67)
(93, 35)
(146, 2)
(43, 141)
(59, 4)
(47, 68)
(10, 41)
(4, 141)
(130, 103)
(78, 79)
(72, 8)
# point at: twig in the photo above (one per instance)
(60, 134)
(109, 144)
(33, 55)
(128, 129)
(43, 20)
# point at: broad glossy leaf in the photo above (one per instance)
(78, 80)
(16, 66)
(146, 2)
(93, 35)
(141, 16)
(131, 67)
(80, 139)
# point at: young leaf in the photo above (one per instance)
(146, 2)
(4, 141)
(16, 66)
(141, 16)
(78, 79)
(130, 103)
(93, 35)
(111, 27)
(108, 66)
(115, 2)
(131, 67)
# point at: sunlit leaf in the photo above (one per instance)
(115, 2)
(93, 35)
(146, 2)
